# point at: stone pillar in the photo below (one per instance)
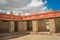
(35, 25)
(52, 25)
(19, 26)
(11, 28)
(25, 25)
(22, 26)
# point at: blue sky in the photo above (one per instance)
(54, 4)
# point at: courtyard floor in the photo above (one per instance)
(20, 36)
(37, 37)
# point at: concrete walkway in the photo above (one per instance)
(27, 36)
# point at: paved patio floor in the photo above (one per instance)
(37, 37)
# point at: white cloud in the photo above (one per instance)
(24, 6)
(36, 5)
(3, 1)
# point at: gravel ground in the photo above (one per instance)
(37, 37)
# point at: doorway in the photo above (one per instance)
(29, 25)
(4, 26)
(16, 26)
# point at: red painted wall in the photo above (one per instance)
(30, 17)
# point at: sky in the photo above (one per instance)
(54, 4)
(29, 6)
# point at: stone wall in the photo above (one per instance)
(8, 26)
(37, 25)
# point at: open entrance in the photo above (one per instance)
(15, 26)
(29, 25)
(4, 26)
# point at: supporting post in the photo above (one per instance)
(25, 25)
(19, 26)
(22, 26)
(52, 25)
(35, 25)
(11, 28)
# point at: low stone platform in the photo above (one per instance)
(40, 33)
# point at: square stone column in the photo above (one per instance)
(19, 26)
(35, 25)
(22, 26)
(25, 25)
(11, 27)
(52, 25)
